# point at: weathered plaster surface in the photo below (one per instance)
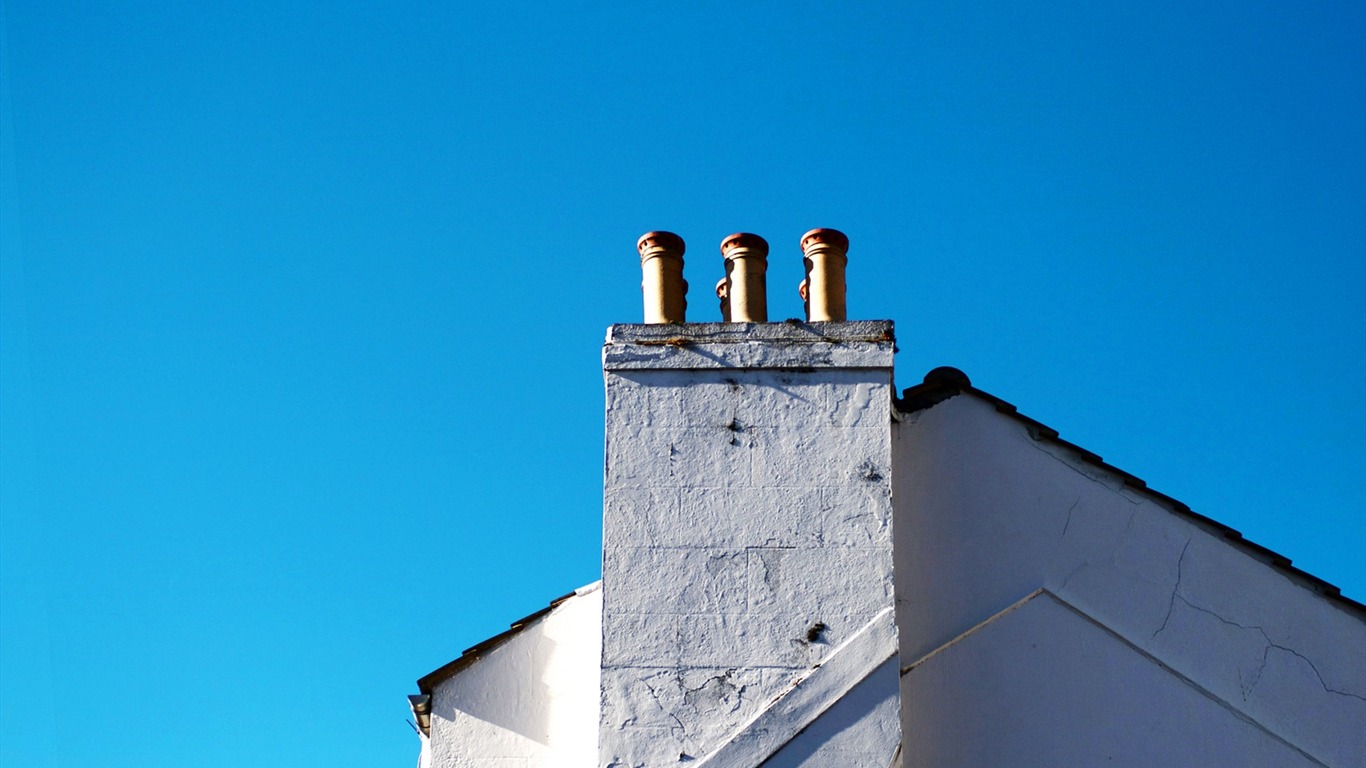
(746, 521)
(531, 702)
(843, 712)
(987, 513)
(1042, 685)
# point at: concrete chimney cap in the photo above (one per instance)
(831, 237)
(745, 240)
(666, 240)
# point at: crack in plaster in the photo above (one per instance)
(1068, 523)
(727, 694)
(1256, 675)
(1176, 588)
(1084, 565)
(680, 728)
(1129, 524)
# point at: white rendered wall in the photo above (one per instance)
(531, 702)
(746, 522)
(1092, 699)
(987, 514)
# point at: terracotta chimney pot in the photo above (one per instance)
(825, 252)
(723, 293)
(665, 290)
(747, 262)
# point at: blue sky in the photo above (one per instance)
(302, 306)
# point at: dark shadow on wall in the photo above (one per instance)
(862, 728)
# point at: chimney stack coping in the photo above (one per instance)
(793, 345)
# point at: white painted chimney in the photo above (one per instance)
(747, 532)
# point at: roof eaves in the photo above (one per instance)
(427, 683)
(945, 382)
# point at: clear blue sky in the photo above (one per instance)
(302, 304)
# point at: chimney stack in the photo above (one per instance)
(746, 262)
(824, 252)
(747, 541)
(666, 292)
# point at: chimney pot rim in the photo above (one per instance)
(744, 240)
(666, 240)
(828, 236)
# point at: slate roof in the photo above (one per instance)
(945, 382)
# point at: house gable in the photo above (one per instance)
(991, 507)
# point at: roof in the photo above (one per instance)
(474, 653)
(945, 382)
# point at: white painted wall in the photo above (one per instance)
(986, 514)
(1040, 686)
(746, 524)
(531, 702)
